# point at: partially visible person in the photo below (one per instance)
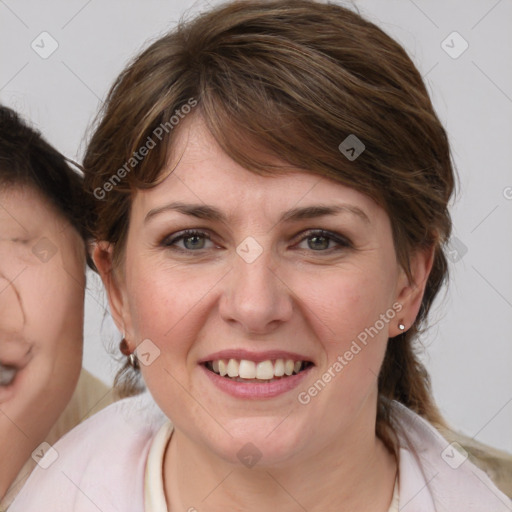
(43, 390)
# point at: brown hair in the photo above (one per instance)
(290, 79)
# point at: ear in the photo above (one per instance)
(102, 255)
(410, 291)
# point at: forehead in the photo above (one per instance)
(26, 208)
(199, 171)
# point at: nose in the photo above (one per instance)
(254, 297)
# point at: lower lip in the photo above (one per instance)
(256, 390)
(7, 392)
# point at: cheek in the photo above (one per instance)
(53, 301)
(343, 304)
(53, 308)
(355, 312)
(346, 311)
(53, 326)
(11, 309)
(166, 304)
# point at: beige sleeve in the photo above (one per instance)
(90, 396)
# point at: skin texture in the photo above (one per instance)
(299, 295)
(41, 321)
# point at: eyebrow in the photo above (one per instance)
(201, 211)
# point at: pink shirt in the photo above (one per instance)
(102, 466)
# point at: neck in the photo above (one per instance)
(355, 473)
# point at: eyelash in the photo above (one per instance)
(343, 243)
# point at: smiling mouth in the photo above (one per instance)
(7, 374)
(243, 370)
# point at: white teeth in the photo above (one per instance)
(247, 370)
(288, 367)
(233, 368)
(222, 368)
(7, 374)
(279, 368)
(265, 370)
(262, 370)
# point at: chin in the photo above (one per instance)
(265, 442)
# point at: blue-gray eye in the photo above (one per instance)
(192, 240)
(319, 240)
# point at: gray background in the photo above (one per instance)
(468, 349)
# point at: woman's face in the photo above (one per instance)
(42, 279)
(266, 277)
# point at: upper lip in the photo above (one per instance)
(18, 362)
(254, 356)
